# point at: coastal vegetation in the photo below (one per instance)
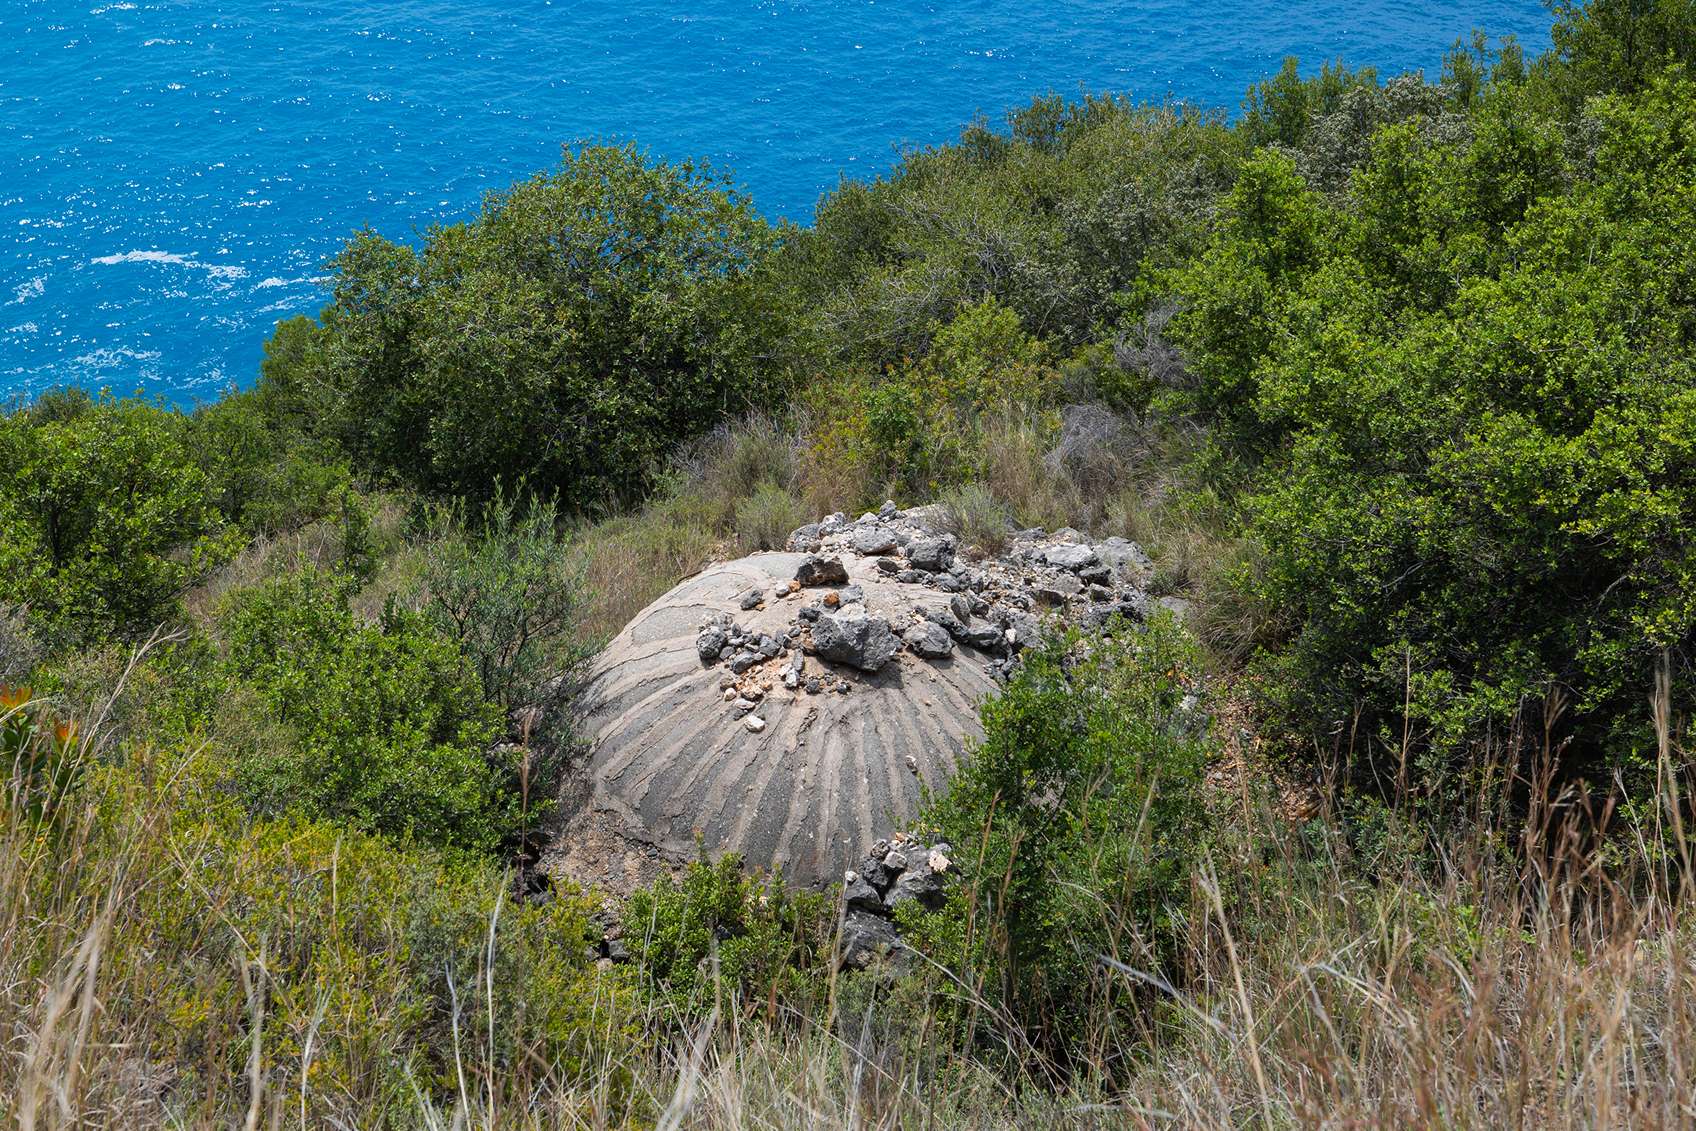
(1392, 377)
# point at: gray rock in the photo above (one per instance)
(850, 636)
(1069, 555)
(710, 643)
(872, 871)
(872, 540)
(751, 599)
(949, 584)
(986, 638)
(1181, 609)
(809, 613)
(831, 523)
(862, 896)
(928, 639)
(912, 577)
(1058, 589)
(918, 883)
(768, 648)
(1096, 574)
(895, 861)
(851, 593)
(1124, 556)
(888, 565)
(804, 537)
(948, 618)
(931, 554)
(1026, 629)
(815, 570)
(742, 661)
(866, 938)
(888, 509)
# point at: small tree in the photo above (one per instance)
(508, 591)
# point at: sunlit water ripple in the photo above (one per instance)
(173, 177)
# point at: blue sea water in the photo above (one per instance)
(173, 173)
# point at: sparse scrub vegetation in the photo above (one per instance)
(1392, 380)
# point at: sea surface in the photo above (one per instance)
(173, 173)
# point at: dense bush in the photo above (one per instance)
(718, 938)
(389, 727)
(299, 965)
(508, 589)
(106, 517)
(1467, 390)
(571, 334)
(1053, 218)
(1075, 822)
(920, 427)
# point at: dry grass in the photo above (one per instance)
(1453, 992)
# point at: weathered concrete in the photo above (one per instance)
(674, 762)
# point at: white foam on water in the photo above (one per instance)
(23, 292)
(213, 270)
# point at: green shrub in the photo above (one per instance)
(391, 730)
(586, 322)
(976, 517)
(718, 937)
(765, 518)
(360, 979)
(1468, 396)
(105, 518)
(508, 589)
(1074, 823)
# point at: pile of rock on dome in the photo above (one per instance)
(995, 605)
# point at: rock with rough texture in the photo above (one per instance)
(866, 938)
(932, 555)
(814, 570)
(928, 639)
(872, 541)
(670, 763)
(1069, 555)
(853, 636)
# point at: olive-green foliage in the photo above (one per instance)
(1620, 45)
(390, 728)
(378, 974)
(717, 937)
(106, 516)
(765, 518)
(1075, 823)
(921, 427)
(508, 588)
(576, 330)
(1053, 219)
(1468, 393)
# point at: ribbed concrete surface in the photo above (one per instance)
(672, 764)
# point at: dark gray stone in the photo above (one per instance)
(710, 643)
(931, 554)
(862, 896)
(916, 883)
(1069, 555)
(948, 618)
(742, 661)
(815, 570)
(751, 599)
(850, 636)
(872, 540)
(928, 639)
(866, 939)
